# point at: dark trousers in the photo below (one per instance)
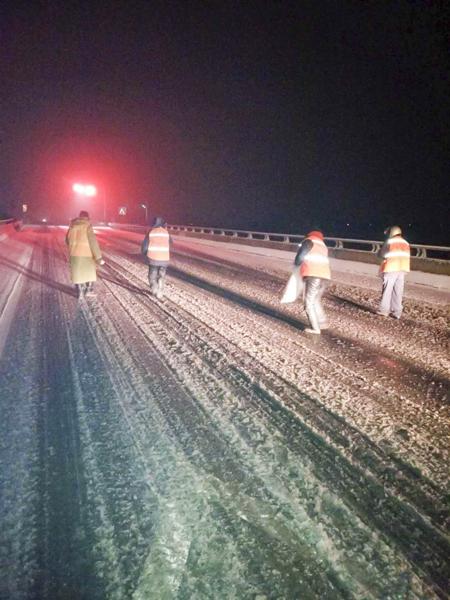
(156, 279)
(84, 288)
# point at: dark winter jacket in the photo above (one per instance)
(302, 251)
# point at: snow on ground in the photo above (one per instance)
(202, 446)
(427, 286)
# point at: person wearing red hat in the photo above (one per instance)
(312, 258)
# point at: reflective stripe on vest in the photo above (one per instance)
(158, 245)
(316, 263)
(397, 258)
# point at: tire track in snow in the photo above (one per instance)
(65, 568)
(420, 427)
(191, 429)
(11, 290)
(305, 366)
(19, 446)
(392, 508)
(355, 322)
(190, 478)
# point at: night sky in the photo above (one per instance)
(271, 116)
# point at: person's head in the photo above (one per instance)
(84, 214)
(392, 231)
(315, 234)
(158, 222)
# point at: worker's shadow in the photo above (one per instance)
(39, 277)
(122, 282)
(242, 300)
(338, 300)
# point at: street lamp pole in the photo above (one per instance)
(144, 206)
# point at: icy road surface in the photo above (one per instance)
(203, 446)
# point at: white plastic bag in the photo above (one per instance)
(294, 287)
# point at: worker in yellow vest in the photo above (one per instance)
(84, 254)
(395, 254)
(312, 257)
(156, 246)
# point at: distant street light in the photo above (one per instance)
(84, 189)
(144, 206)
(88, 190)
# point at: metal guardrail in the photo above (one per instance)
(370, 246)
(17, 224)
(7, 226)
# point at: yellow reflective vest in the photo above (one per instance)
(316, 262)
(396, 255)
(81, 239)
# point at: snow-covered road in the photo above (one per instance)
(203, 446)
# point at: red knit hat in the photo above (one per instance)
(316, 234)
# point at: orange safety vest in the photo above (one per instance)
(397, 258)
(158, 245)
(77, 238)
(316, 263)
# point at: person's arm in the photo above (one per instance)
(302, 251)
(383, 251)
(144, 245)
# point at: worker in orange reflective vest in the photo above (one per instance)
(395, 254)
(312, 257)
(156, 246)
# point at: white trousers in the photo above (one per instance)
(314, 289)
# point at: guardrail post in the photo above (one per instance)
(421, 252)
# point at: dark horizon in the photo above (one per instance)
(278, 117)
